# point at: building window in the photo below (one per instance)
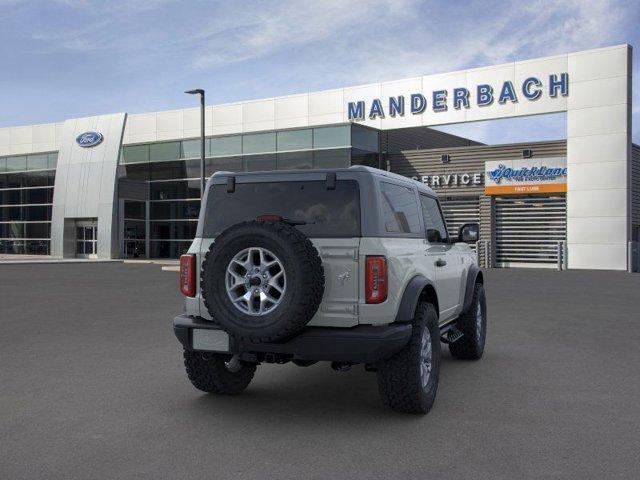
(257, 163)
(339, 158)
(162, 152)
(259, 143)
(191, 148)
(332, 137)
(225, 146)
(294, 160)
(295, 140)
(223, 164)
(135, 154)
(26, 197)
(364, 138)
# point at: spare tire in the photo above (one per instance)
(262, 281)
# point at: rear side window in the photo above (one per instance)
(326, 213)
(399, 209)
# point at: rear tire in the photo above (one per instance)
(401, 378)
(473, 325)
(210, 373)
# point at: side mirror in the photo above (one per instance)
(469, 233)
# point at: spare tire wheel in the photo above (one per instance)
(262, 281)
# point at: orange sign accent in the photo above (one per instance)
(524, 189)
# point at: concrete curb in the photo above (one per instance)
(171, 268)
(56, 261)
(154, 262)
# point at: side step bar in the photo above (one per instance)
(450, 333)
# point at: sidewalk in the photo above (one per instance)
(12, 259)
(9, 259)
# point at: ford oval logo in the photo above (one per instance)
(89, 139)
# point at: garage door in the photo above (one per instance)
(458, 211)
(528, 230)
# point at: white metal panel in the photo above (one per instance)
(21, 135)
(44, 133)
(142, 123)
(191, 122)
(597, 203)
(608, 174)
(326, 103)
(170, 121)
(258, 115)
(598, 63)
(143, 138)
(295, 106)
(5, 137)
(596, 230)
(596, 149)
(258, 111)
(59, 129)
(227, 119)
(292, 122)
(597, 256)
(597, 120)
(598, 93)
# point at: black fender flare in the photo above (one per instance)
(410, 298)
(472, 278)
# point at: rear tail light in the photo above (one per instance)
(188, 275)
(376, 280)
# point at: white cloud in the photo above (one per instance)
(285, 25)
(312, 45)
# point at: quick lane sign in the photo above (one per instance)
(513, 177)
(481, 95)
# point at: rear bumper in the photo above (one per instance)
(360, 344)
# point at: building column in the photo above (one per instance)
(599, 158)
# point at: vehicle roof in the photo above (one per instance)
(353, 169)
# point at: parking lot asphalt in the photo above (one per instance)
(92, 386)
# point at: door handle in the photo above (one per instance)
(440, 262)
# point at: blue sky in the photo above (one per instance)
(65, 59)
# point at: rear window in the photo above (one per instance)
(327, 213)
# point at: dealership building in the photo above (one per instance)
(127, 185)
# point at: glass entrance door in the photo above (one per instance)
(86, 239)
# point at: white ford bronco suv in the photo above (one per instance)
(350, 266)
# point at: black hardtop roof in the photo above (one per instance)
(315, 173)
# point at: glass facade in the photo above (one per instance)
(164, 225)
(26, 196)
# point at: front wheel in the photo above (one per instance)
(216, 373)
(408, 381)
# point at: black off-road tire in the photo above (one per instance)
(399, 377)
(304, 281)
(209, 373)
(471, 345)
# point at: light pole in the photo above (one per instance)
(200, 91)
